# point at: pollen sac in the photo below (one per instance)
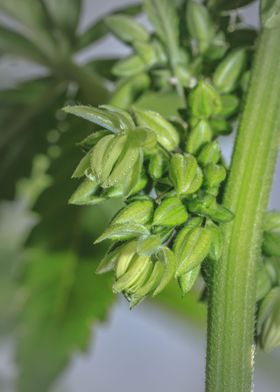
(199, 136)
(217, 241)
(157, 165)
(207, 206)
(187, 280)
(204, 101)
(228, 72)
(192, 249)
(140, 212)
(165, 132)
(210, 154)
(171, 212)
(200, 24)
(185, 174)
(214, 174)
(268, 324)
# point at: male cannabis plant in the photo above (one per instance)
(178, 215)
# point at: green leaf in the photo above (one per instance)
(16, 44)
(65, 14)
(64, 298)
(163, 15)
(97, 116)
(130, 66)
(170, 212)
(85, 194)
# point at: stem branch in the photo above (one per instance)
(230, 353)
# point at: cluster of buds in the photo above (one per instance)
(168, 172)
(165, 58)
(170, 223)
(268, 285)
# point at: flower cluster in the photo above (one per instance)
(168, 172)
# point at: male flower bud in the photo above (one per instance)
(198, 137)
(214, 174)
(187, 280)
(207, 206)
(268, 326)
(167, 258)
(165, 132)
(185, 174)
(146, 52)
(126, 29)
(200, 24)
(171, 212)
(228, 72)
(157, 165)
(87, 193)
(271, 235)
(216, 247)
(204, 100)
(140, 212)
(210, 154)
(123, 231)
(113, 158)
(220, 126)
(192, 250)
(230, 104)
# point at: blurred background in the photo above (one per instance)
(57, 319)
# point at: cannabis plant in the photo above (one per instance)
(185, 212)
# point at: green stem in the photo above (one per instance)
(230, 354)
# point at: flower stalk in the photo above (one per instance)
(232, 304)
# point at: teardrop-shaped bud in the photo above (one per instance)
(204, 100)
(194, 249)
(140, 212)
(228, 72)
(200, 24)
(126, 28)
(108, 262)
(87, 193)
(83, 165)
(207, 206)
(181, 236)
(198, 137)
(167, 258)
(220, 126)
(185, 174)
(214, 174)
(121, 232)
(165, 132)
(148, 246)
(124, 165)
(187, 280)
(217, 241)
(209, 154)
(230, 104)
(113, 152)
(171, 212)
(149, 286)
(125, 256)
(157, 165)
(135, 269)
